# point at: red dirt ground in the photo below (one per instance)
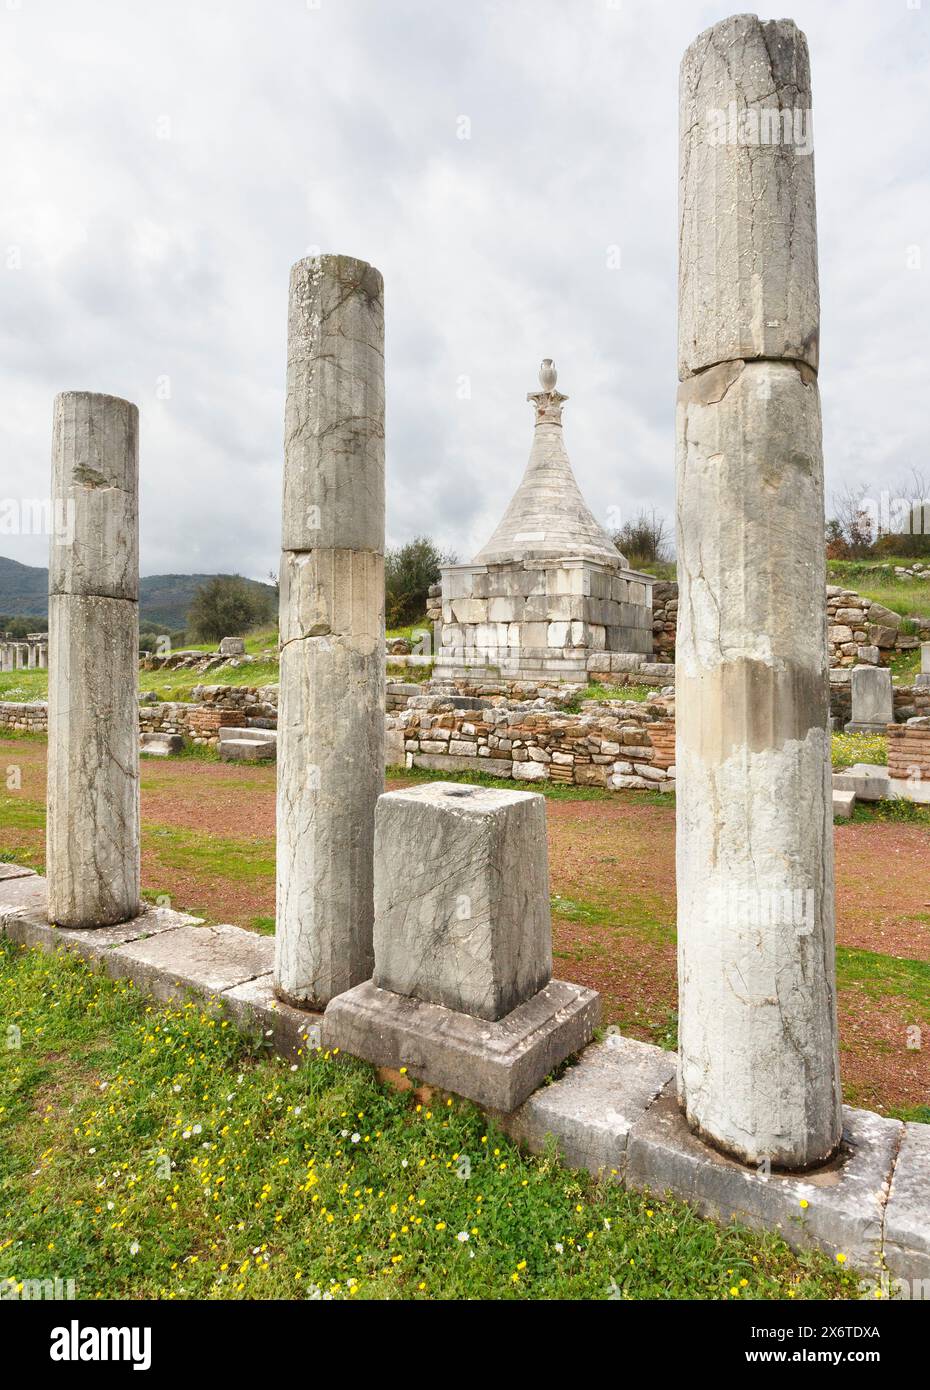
(611, 864)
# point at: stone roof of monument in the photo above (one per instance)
(548, 519)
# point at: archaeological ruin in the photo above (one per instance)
(550, 588)
(412, 928)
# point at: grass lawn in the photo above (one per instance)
(20, 686)
(597, 691)
(878, 582)
(151, 1152)
(179, 685)
(847, 749)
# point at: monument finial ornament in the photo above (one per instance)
(548, 402)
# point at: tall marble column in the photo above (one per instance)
(331, 702)
(758, 1074)
(93, 728)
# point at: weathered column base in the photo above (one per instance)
(494, 1064)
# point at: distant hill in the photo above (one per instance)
(163, 598)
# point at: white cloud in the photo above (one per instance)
(145, 258)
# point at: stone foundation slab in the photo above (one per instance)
(844, 1200)
(205, 960)
(591, 1109)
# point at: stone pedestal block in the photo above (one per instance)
(747, 269)
(462, 897)
(462, 993)
(872, 700)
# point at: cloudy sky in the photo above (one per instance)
(163, 164)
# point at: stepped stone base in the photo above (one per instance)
(540, 620)
(494, 1064)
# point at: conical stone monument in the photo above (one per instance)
(549, 589)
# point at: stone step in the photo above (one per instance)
(160, 745)
(253, 734)
(247, 750)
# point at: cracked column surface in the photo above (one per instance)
(758, 1063)
(331, 700)
(92, 837)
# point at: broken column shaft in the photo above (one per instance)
(93, 723)
(758, 1074)
(331, 704)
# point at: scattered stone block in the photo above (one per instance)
(867, 782)
(924, 678)
(250, 745)
(160, 745)
(844, 803)
(232, 646)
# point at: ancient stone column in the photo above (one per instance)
(93, 730)
(758, 1074)
(331, 701)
